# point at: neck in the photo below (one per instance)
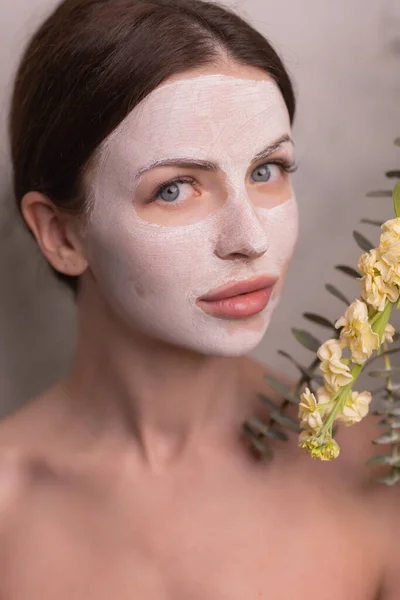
(165, 398)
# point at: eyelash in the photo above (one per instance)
(284, 165)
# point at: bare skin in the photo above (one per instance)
(93, 519)
(131, 479)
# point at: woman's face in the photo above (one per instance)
(227, 213)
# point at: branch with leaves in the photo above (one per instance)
(324, 391)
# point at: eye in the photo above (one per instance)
(170, 192)
(174, 191)
(265, 172)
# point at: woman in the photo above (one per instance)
(152, 151)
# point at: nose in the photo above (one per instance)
(241, 232)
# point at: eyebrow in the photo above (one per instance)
(206, 165)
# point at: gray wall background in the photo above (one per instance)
(344, 57)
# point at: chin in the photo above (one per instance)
(223, 337)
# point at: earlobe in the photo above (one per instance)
(52, 231)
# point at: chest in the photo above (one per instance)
(175, 547)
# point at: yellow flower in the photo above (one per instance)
(376, 283)
(388, 334)
(308, 411)
(324, 397)
(376, 291)
(393, 227)
(389, 267)
(324, 449)
(357, 333)
(330, 349)
(381, 267)
(356, 313)
(336, 374)
(312, 410)
(389, 241)
(355, 408)
(366, 263)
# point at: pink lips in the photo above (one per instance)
(242, 287)
(239, 300)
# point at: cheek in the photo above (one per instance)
(282, 226)
(281, 282)
(133, 259)
(273, 193)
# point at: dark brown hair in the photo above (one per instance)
(93, 61)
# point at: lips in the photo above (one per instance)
(241, 287)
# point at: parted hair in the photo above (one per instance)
(92, 61)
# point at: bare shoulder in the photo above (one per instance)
(357, 482)
(29, 470)
(256, 372)
(16, 458)
(13, 488)
(22, 455)
(35, 427)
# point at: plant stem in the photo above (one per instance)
(341, 399)
(378, 322)
(303, 379)
(388, 367)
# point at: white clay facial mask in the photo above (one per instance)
(154, 251)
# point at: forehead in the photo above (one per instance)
(202, 117)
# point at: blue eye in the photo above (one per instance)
(173, 190)
(261, 173)
(170, 192)
(177, 191)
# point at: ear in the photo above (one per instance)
(55, 234)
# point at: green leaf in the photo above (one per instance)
(306, 339)
(268, 402)
(319, 320)
(362, 241)
(257, 425)
(383, 423)
(388, 438)
(262, 448)
(305, 372)
(371, 222)
(281, 388)
(285, 421)
(391, 478)
(276, 434)
(395, 173)
(386, 407)
(348, 271)
(395, 387)
(337, 293)
(383, 407)
(385, 353)
(385, 372)
(318, 379)
(390, 422)
(257, 443)
(391, 351)
(380, 194)
(396, 199)
(384, 459)
(257, 428)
